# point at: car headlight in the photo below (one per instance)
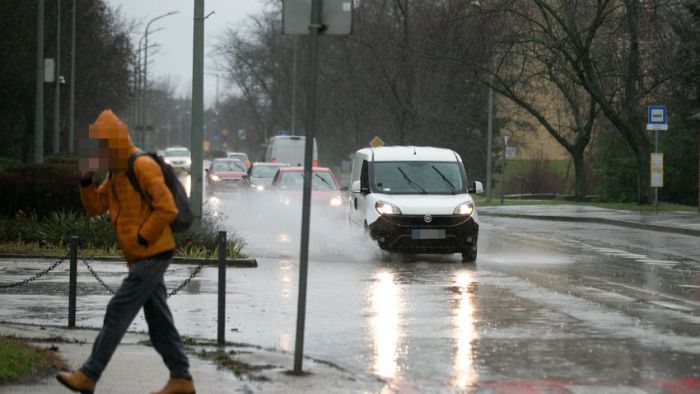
(385, 208)
(465, 209)
(215, 178)
(169, 161)
(336, 201)
(188, 161)
(257, 187)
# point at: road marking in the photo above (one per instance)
(596, 389)
(671, 306)
(641, 290)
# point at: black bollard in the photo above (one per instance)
(73, 280)
(221, 320)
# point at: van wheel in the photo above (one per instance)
(469, 256)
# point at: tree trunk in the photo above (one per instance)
(580, 180)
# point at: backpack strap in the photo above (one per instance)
(132, 175)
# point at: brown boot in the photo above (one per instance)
(77, 381)
(177, 386)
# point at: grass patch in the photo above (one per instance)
(624, 206)
(21, 362)
(239, 368)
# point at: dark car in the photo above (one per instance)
(225, 174)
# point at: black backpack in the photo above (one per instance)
(184, 217)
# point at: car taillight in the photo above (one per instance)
(247, 164)
(315, 163)
(273, 161)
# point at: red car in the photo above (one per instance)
(225, 174)
(289, 183)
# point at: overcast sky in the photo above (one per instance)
(174, 56)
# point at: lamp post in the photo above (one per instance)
(197, 124)
(39, 100)
(71, 110)
(145, 76)
(57, 96)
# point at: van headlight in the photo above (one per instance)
(385, 208)
(215, 178)
(465, 209)
(188, 161)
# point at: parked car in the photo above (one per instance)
(289, 149)
(240, 156)
(415, 200)
(179, 158)
(260, 175)
(326, 192)
(225, 174)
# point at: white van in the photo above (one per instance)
(415, 200)
(288, 149)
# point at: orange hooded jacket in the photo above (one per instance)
(130, 215)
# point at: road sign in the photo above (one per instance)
(657, 170)
(656, 118)
(336, 17)
(241, 134)
(510, 152)
(376, 142)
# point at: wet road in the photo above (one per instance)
(547, 302)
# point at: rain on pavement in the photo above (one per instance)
(568, 303)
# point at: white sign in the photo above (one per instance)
(241, 134)
(49, 70)
(510, 152)
(657, 169)
(654, 127)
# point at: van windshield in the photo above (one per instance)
(418, 177)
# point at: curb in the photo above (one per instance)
(235, 263)
(612, 222)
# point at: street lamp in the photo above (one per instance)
(145, 74)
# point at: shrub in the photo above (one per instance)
(40, 188)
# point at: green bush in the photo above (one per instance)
(40, 188)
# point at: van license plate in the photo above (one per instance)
(427, 234)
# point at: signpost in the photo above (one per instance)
(315, 17)
(656, 121)
(376, 142)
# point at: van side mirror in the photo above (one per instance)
(206, 170)
(357, 188)
(477, 188)
(344, 188)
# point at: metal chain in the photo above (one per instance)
(181, 286)
(186, 282)
(35, 277)
(97, 277)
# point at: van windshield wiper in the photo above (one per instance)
(410, 182)
(444, 178)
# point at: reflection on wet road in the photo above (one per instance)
(546, 304)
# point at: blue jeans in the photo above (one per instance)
(143, 287)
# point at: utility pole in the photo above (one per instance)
(39, 102)
(57, 97)
(294, 86)
(197, 124)
(314, 31)
(489, 148)
(71, 110)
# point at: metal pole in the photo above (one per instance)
(39, 102)
(503, 174)
(72, 280)
(71, 110)
(57, 97)
(144, 94)
(221, 318)
(489, 148)
(314, 30)
(294, 87)
(197, 124)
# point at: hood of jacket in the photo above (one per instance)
(112, 135)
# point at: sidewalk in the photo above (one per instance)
(137, 368)
(687, 223)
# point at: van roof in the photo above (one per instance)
(411, 153)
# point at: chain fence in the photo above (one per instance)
(101, 281)
(33, 277)
(173, 292)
